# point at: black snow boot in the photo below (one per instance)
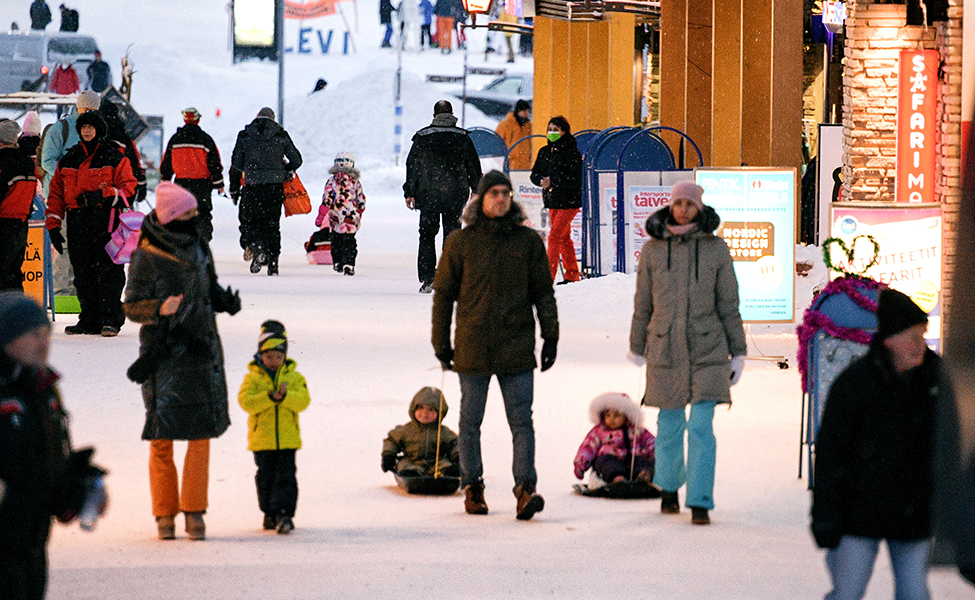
(272, 266)
(669, 503)
(699, 516)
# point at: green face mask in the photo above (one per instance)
(554, 137)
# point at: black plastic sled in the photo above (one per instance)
(427, 485)
(622, 490)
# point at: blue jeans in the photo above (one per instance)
(517, 389)
(670, 472)
(851, 564)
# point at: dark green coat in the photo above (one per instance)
(186, 394)
(497, 273)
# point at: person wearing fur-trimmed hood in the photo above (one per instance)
(688, 331)
(411, 449)
(342, 205)
(618, 447)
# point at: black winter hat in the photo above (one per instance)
(94, 119)
(273, 337)
(895, 313)
(18, 315)
(522, 105)
(491, 179)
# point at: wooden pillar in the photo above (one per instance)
(727, 96)
(698, 109)
(785, 134)
(673, 64)
(756, 98)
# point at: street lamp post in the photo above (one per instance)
(473, 8)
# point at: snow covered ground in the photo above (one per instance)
(363, 344)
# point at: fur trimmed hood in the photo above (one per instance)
(616, 401)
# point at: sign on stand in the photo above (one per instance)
(529, 196)
(33, 268)
(757, 210)
(646, 192)
(909, 238)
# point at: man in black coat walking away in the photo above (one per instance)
(875, 451)
(265, 157)
(442, 171)
(193, 159)
(40, 15)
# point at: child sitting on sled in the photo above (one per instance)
(410, 450)
(618, 442)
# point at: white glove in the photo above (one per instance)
(636, 359)
(737, 367)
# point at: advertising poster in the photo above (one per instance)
(642, 201)
(909, 256)
(757, 210)
(607, 223)
(33, 268)
(529, 196)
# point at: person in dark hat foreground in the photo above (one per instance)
(40, 477)
(91, 179)
(875, 452)
(497, 298)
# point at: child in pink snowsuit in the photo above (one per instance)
(343, 204)
(618, 442)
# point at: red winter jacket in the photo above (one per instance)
(64, 81)
(18, 184)
(80, 171)
(192, 154)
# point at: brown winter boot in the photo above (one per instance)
(195, 528)
(669, 503)
(166, 527)
(529, 502)
(474, 502)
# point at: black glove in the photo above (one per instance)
(235, 197)
(140, 193)
(446, 358)
(87, 199)
(549, 350)
(826, 537)
(230, 301)
(77, 470)
(968, 573)
(389, 462)
(57, 240)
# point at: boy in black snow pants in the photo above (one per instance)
(273, 393)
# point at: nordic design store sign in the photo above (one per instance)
(757, 210)
(916, 124)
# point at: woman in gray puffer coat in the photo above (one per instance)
(173, 292)
(687, 330)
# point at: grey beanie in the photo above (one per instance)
(9, 130)
(88, 100)
(18, 315)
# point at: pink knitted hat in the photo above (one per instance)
(172, 201)
(32, 123)
(689, 191)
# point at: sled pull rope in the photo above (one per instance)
(436, 460)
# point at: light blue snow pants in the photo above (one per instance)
(851, 564)
(701, 451)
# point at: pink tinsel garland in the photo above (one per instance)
(813, 320)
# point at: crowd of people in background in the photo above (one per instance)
(438, 23)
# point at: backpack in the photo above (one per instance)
(40, 146)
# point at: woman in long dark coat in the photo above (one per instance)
(173, 292)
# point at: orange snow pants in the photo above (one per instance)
(167, 498)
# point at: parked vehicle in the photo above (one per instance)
(497, 98)
(26, 57)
